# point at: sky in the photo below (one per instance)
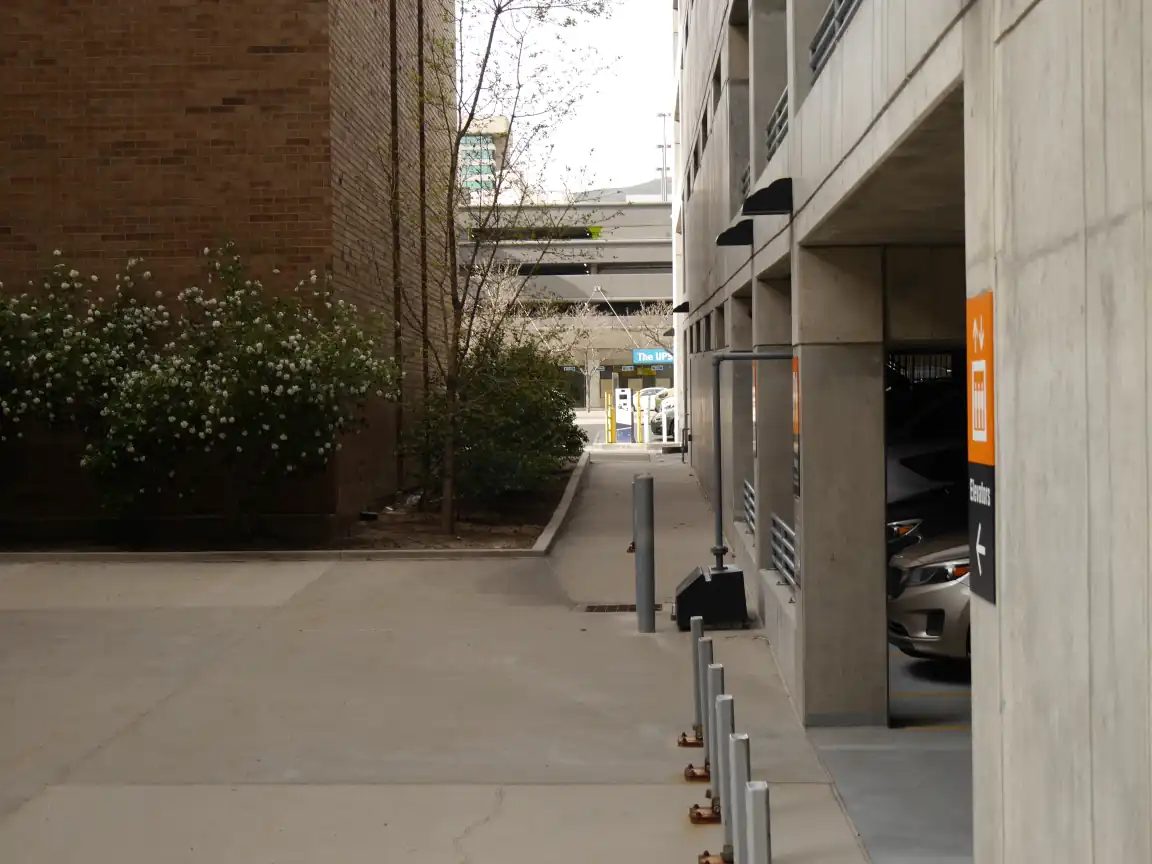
(617, 118)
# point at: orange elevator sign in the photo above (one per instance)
(981, 384)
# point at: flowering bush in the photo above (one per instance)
(229, 376)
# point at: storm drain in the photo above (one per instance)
(613, 607)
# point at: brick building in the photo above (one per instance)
(296, 128)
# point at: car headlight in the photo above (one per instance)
(903, 528)
(937, 574)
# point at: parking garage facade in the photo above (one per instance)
(857, 180)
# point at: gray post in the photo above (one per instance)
(644, 521)
(759, 816)
(721, 779)
(715, 688)
(739, 769)
(705, 651)
(719, 550)
(697, 624)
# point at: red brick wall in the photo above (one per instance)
(155, 129)
(371, 180)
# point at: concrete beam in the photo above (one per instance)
(924, 294)
(837, 296)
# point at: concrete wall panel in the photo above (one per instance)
(1117, 428)
(923, 25)
(1042, 484)
(893, 63)
(1057, 148)
(858, 58)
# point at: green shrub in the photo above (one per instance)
(515, 427)
(232, 377)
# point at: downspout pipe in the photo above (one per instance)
(719, 550)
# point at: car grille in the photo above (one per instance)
(895, 582)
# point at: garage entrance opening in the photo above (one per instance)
(929, 678)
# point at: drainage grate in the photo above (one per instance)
(614, 607)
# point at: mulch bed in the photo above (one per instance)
(512, 522)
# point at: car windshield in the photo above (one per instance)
(939, 466)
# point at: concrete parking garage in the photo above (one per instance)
(902, 158)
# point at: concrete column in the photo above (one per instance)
(736, 390)
(804, 18)
(734, 60)
(837, 325)
(1057, 189)
(772, 330)
(768, 72)
(772, 314)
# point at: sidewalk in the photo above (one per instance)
(444, 712)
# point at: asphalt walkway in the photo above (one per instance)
(449, 712)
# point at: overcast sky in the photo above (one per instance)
(618, 116)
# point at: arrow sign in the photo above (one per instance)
(982, 528)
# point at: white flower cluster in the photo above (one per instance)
(234, 375)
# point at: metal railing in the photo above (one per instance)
(829, 33)
(750, 507)
(745, 182)
(784, 552)
(917, 367)
(777, 126)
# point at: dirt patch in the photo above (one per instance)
(514, 521)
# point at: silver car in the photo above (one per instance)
(928, 599)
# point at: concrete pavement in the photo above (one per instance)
(592, 422)
(455, 712)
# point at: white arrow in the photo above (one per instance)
(980, 550)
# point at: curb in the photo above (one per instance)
(540, 549)
(547, 538)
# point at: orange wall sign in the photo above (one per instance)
(795, 395)
(796, 426)
(981, 382)
(981, 448)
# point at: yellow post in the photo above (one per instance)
(610, 415)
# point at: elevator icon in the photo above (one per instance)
(978, 399)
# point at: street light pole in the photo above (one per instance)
(664, 184)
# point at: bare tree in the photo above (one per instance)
(653, 321)
(505, 58)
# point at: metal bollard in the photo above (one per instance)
(711, 813)
(704, 650)
(759, 816)
(737, 774)
(721, 797)
(714, 686)
(697, 739)
(644, 523)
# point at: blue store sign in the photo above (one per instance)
(647, 356)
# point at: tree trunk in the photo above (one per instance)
(448, 462)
